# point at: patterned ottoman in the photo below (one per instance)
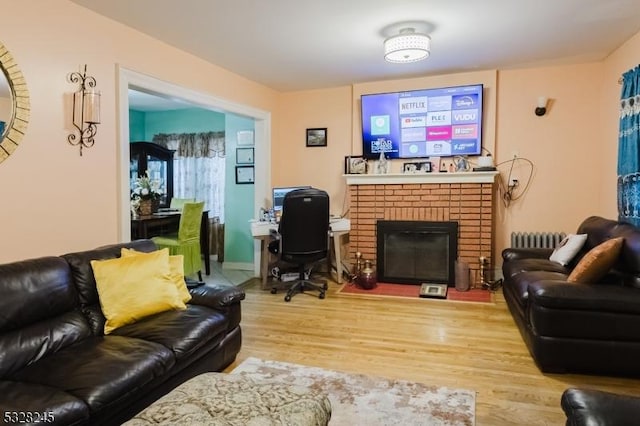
(223, 399)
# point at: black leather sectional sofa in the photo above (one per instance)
(56, 364)
(583, 327)
(590, 407)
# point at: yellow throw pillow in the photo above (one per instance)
(176, 270)
(131, 288)
(597, 262)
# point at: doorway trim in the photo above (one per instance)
(126, 79)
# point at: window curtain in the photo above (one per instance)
(629, 149)
(198, 167)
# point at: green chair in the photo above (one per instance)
(177, 203)
(187, 241)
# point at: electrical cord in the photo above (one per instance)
(508, 191)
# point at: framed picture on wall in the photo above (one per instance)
(317, 137)
(244, 155)
(245, 138)
(245, 175)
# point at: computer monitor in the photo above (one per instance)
(278, 196)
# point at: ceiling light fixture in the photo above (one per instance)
(408, 46)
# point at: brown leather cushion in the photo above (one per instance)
(597, 262)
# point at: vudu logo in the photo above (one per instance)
(463, 116)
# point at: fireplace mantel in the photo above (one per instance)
(409, 178)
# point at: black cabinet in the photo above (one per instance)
(158, 160)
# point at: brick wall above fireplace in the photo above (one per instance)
(466, 198)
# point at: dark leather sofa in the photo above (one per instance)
(590, 407)
(591, 328)
(57, 364)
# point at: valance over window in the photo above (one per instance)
(206, 144)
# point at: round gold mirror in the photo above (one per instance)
(14, 104)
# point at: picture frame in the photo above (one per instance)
(244, 137)
(244, 155)
(355, 165)
(317, 137)
(245, 175)
(416, 167)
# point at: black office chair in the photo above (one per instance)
(303, 238)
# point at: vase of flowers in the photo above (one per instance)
(147, 192)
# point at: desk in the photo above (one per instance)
(262, 231)
(147, 227)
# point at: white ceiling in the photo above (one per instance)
(311, 44)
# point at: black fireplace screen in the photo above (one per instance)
(415, 252)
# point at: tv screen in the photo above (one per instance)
(423, 123)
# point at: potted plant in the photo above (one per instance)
(147, 193)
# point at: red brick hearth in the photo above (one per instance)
(466, 198)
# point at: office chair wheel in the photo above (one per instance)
(274, 290)
(325, 286)
(287, 298)
(321, 295)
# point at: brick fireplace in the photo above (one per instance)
(465, 198)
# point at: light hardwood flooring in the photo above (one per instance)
(441, 343)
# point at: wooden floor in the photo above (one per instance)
(441, 343)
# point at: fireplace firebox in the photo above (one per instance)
(416, 252)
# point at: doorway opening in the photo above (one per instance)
(131, 79)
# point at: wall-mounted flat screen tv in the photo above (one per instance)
(423, 123)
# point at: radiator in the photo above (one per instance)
(536, 239)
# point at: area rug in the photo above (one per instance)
(406, 290)
(358, 399)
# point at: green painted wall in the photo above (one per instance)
(239, 199)
(136, 126)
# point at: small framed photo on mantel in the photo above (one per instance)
(417, 167)
(355, 165)
(317, 137)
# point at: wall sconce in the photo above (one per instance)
(86, 110)
(541, 109)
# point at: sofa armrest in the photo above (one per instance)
(592, 407)
(525, 253)
(216, 296)
(555, 294)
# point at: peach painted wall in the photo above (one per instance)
(565, 146)
(295, 164)
(53, 200)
